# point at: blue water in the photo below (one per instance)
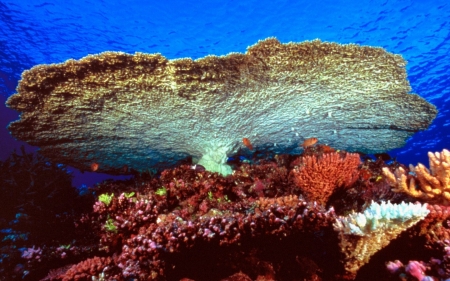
(52, 31)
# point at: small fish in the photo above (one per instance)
(247, 143)
(326, 148)
(309, 142)
(383, 156)
(232, 159)
(94, 167)
(242, 158)
(198, 168)
(124, 169)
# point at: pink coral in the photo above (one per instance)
(416, 269)
(202, 208)
(31, 253)
(394, 267)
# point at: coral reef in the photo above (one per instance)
(90, 269)
(431, 185)
(266, 215)
(434, 269)
(186, 223)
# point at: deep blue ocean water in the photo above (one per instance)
(52, 31)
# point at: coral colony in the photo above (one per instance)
(232, 176)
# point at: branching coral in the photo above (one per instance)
(90, 269)
(319, 177)
(430, 185)
(435, 227)
(38, 207)
(174, 232)
(30, 183)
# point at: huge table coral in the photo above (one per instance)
(141, 111)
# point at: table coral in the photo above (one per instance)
(145, 111)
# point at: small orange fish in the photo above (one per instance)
(247, 143)
(326, 148)
(94, 167)
(309, 142)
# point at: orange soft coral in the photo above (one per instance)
(318, 177)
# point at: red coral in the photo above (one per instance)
(319, 177)
(89, 268)
(57, 274)
(436, 225)
(150, 236)
(145, 254)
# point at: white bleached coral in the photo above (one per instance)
(363, 234)
(380, 216)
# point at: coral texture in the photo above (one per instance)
(143, 254)
(363, 234)
(434, 269)
(435, 227)
(88, 269)
(184, 209)
(139, 111)
(318, 177)
(186, 223)
(431, 185)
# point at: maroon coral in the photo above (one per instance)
(318, 177)
(436, 225)
(142, 254)
(201, 208)
(89, 268)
